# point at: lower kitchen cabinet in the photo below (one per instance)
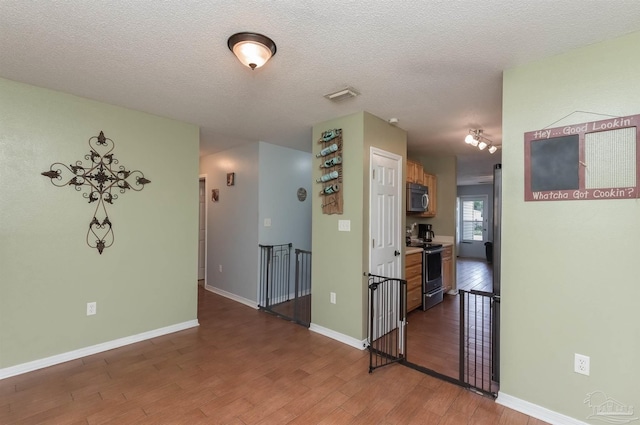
(413, 276)
(447, 268)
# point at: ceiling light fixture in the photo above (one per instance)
(253, 50)
(475, 138)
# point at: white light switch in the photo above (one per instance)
(267, 222)
(344, 225)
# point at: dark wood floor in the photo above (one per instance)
(473, 274)
(433, 336)
(240, 366)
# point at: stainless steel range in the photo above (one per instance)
(432, 291)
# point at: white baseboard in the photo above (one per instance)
(98, 348)
(231, 296)
(538, 412)
(345, 339)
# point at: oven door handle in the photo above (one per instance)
(433, 251)
(434, 293)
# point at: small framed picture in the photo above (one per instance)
(231, 179)
(215, 195)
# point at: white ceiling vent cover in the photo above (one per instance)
(339, 96)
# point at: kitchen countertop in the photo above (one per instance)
(413, 249)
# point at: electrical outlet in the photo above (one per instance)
(332, 297)
(92, 308)
(581, 364)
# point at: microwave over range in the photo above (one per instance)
(417, 197)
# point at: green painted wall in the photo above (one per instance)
(569, 269)
(340, 258)
(145, 281)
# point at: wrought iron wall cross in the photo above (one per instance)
(100, 181)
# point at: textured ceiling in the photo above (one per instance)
(436, 65)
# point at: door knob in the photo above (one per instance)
(396, 253)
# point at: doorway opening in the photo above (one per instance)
(457, 340)
(460, 337)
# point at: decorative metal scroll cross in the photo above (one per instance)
(100, 181)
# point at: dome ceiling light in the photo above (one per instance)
(253, 50)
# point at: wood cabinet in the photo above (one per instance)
(431, 182)
(413, 276)
(414, 172)
(447, 268)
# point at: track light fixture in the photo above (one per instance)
(475, 138)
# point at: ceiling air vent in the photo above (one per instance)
(340, 95)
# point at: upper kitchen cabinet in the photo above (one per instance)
(416, 174)
(431, 182)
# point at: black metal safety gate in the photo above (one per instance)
(387, 320)
(479, 334)
(302, 303)
(479, 313)
(276, 293)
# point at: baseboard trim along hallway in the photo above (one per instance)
(535, 411)
(93, 349)
(234, 297)
(345, 339)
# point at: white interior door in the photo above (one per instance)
(385, 234)
(385, 210)
(201, 233)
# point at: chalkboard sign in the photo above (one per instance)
(594, 160)
(554, 164)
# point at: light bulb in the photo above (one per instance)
(482, 145)
(492, 149)
(252, 54)
(474, 142)
(469, 139)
